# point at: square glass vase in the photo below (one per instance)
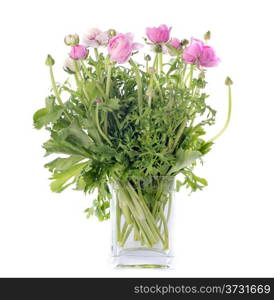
(141, 220)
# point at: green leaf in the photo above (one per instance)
(62, 180)
(44, 116)
(179, 184)
(91, 89)
(184, 158)
(62, 164)
(70, 140)
(111, 105)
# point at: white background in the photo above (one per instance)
(226, 230)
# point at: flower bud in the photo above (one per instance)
(69, 66)
(98, 100)
(184, 42)
(228, 81)
(78, 52)
(207, 35)
(147, 57)
(49, 60)
(111, 33)
(158, 48)
(71, 39)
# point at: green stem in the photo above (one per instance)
(97, 67)
(108, 84)
(98, 124)
(139, 85)
(166, 239)
(147, 212)
(160, 56)
(118, 221)
(178, 135)
(139, 218)
(126, 235)
(100, 89)
(108, 81)
(158, 86)
(228, 116)
(96, 54)
(191, 74)
(80, 82)
(56, 92)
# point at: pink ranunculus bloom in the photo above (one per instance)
(208, 57)
(121, 46)
(78, 52)
(158, 34)
(95, 37)
(200, 54)
(176, 43)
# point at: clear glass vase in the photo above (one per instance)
(141, 215)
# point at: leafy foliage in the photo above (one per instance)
(105, 137)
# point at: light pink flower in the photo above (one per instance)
(176, 43)
(121, 46)
(208, 57)
(200, 54)
(158, 34)
(78, 52)
(68, 65)
(94, 38)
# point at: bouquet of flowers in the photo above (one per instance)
(127, 128)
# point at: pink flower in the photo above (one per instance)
(208, 57)
(121, 46)
(176, 43)
(200, 54)
(95, 38)
(158, 34)
(78, 52)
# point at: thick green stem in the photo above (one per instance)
(228, 116)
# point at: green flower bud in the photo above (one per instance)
(228, 81)
(207, 35)
(184, 42)
(71, 39)
(158, 48)
(147, 57)
(49, 60)
(112, 33)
